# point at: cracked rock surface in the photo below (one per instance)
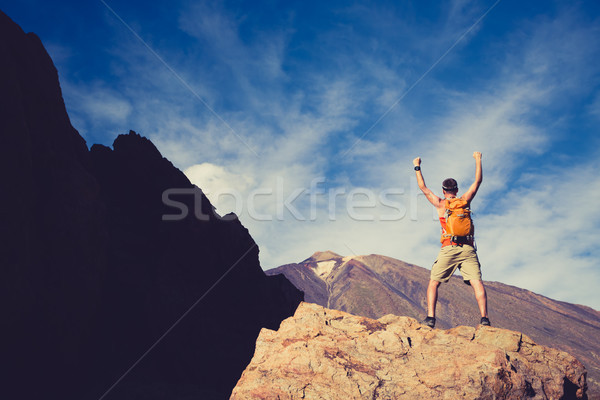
(327, 354)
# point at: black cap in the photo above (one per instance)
(449, 185)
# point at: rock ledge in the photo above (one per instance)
(326, 354)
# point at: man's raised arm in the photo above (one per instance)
(469, 194)
(433, 199)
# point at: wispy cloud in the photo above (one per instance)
(538, 236)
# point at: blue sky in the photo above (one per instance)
(304, 117)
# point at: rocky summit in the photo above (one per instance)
(327, 354)
(373, 286)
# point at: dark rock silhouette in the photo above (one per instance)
(93, 276)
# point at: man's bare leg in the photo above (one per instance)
(481, 296)
(432, 293)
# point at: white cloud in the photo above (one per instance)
(60, 55)
(254, 64)
(96, 107)
(107, 106)
(541, 236)
(222, 187)
(594, 107)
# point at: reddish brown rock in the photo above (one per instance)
(326, 354)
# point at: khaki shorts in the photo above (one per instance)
(452, 257)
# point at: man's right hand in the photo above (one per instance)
(477, 155)
(417, 162)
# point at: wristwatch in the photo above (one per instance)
(417, 168)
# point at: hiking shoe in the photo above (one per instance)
(484, 321)
(429, 321)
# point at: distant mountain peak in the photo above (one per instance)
(323, 263)
(322, 256)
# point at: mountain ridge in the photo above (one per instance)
(100, 296)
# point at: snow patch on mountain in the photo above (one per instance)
(324, 268)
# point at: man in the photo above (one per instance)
(454, 253)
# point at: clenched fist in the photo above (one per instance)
(417, 161)
(477, 155)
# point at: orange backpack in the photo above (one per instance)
(459, 225)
